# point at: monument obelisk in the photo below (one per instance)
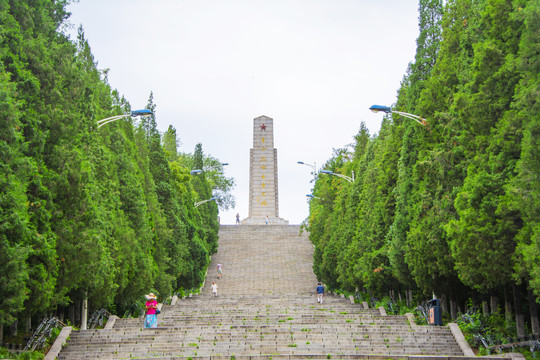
(263, 176)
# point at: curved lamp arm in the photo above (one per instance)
(349, 179)
(416, 118)
(313, 166)
(197, 204)
(388, 110)
(133, 114)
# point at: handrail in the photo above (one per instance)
(44, 331)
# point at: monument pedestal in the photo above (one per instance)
(259, 221)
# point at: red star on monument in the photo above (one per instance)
(263, 127)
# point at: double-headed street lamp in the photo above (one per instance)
(349, 179)
(388, 110)
(197, 204)
(133, 114)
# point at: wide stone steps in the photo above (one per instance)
(266, 308)
(262, 328)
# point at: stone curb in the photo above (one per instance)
(111, 321)
(460, 339)
(58, 343)
(514, 356)
(365, 305)
(410, 318)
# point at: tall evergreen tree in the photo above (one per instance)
(525, 188)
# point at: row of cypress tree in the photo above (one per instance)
(450, 207)
(105, 213)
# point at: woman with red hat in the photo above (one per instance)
(151, 307)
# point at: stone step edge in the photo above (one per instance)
(512, 356)
(66, 331)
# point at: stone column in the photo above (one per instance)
(263, 176)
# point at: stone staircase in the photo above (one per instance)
(266, 308)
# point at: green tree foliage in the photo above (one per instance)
(105, 213)
(452, 205)
(15, 229)
(214, 173)
(524, 191)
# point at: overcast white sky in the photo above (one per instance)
(314, 66)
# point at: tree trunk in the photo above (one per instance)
(444, 304)
(507, 306)
(520, 320)
(409, 298)
(28, 327)
(453, 309)
(485, 308)
(84, 315)
(494, 304)
(14, 328)
(535, 327)
(77, 305)
(71, 314)
(1, 331)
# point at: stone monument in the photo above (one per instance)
(263, 176)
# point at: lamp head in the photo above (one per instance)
(195, 172)
(377, 108)
(143, 112)
(327, 172)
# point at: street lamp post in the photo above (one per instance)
(100, 123)
(388, 110)
(133, 114)
(349, 179)
(197, 204)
